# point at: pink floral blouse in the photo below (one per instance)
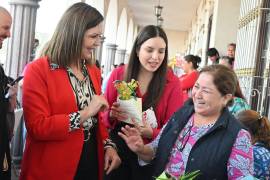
(240, 163)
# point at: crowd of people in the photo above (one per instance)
(77, 131)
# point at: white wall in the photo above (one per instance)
(176, 40)
(225, 24)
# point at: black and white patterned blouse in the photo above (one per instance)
(83, 91)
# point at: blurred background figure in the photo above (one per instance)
(34, 50)
(190, 63)
(213, 55)
(105, 80)
(231, 50)
(259, 128)
(239, 102)
(226, 61)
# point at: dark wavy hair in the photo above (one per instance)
(156, 86)
(195, 60)
(258, 126)
(65, 45)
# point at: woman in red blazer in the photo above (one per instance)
(189, 64)
(61, 100)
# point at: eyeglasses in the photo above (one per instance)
(184, 138)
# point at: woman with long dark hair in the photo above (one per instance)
(158, 88)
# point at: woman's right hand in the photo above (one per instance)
(133, 139)
(98, 103)
(118, 113)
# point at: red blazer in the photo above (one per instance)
(170, 101)
(51, 151)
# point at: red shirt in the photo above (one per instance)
(187, 82)
(170, 101)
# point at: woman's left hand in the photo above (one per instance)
(112, 160)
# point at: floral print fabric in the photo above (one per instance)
(261, 161)
(240, 163)
(239, 105)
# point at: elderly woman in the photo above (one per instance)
(202, 135)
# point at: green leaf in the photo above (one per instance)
(190, 176)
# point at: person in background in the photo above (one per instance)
(121, 64)
(62, 104)
(7, 101)
(189, 64)
(202, 135)
(34, 50)
(105, 80)
(259, 128)
(159, 90)
(213, 55)
(239, 102)
(231, 50)
(226, 61)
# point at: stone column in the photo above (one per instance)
(99, 50)
(120, 56)
(126, 60)
(21, 42)
(110, 57)
(20, 46)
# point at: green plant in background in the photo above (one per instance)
(188, 176)
(126, 90)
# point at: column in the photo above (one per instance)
(120, 56)
(20, 46)
(99, 50)
(110, 57)
(21, 42)
(225, 24)
(126, 58)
